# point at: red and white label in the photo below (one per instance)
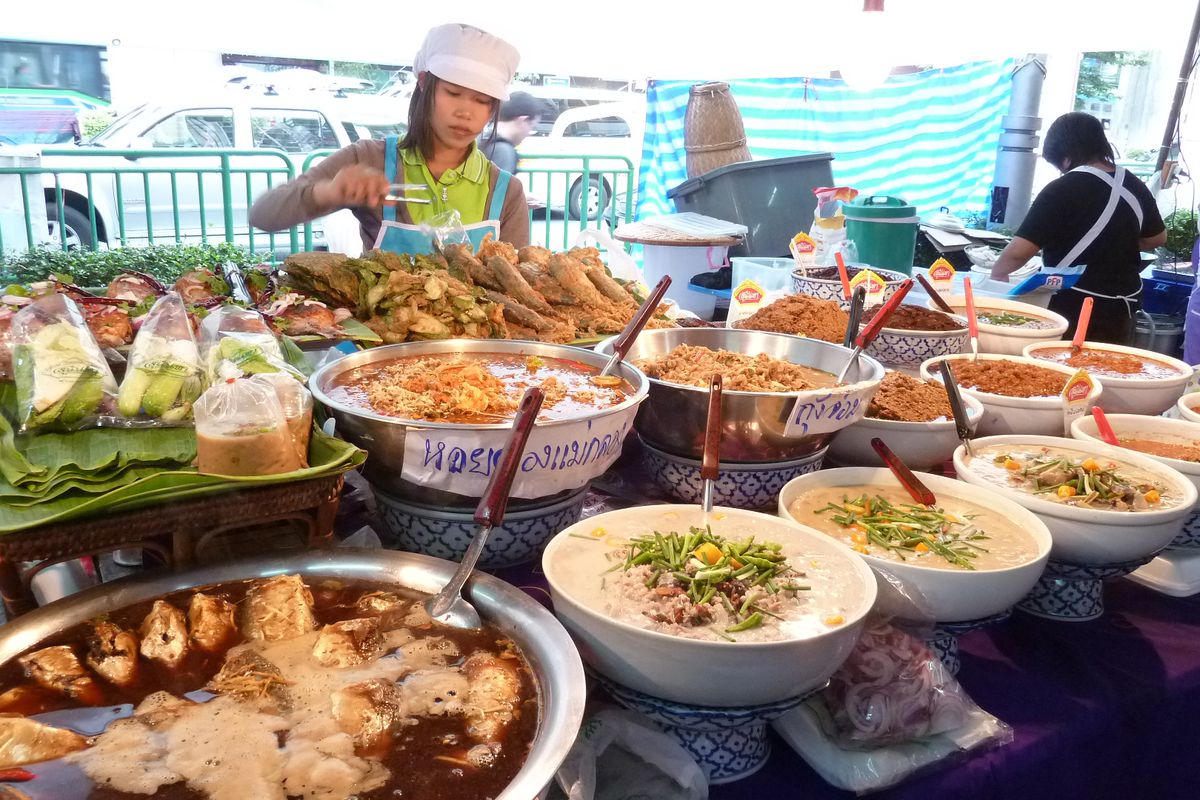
(1075, 398)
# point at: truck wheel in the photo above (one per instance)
(74, 226)
(592, 202)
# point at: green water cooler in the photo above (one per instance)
(885, 231)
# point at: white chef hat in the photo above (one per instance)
(465, 55)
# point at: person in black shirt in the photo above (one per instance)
(1064, 223)
(519, 115)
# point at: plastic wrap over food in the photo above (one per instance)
(163, 378)
(63, 381)
(446, 228)
(237, 342)
(241, 430)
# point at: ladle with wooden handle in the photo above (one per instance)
(628, 336)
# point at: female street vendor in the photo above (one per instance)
(462, 75)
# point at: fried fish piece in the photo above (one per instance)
(27, 741)
(588, 256)
(278, 608)
(348, 643)
(534, 255)
(165, 635)
(494, 693)
(58, 669)
(600, 278)
(490, 248)
(113, 653)
(460, 258)
(210, 621)
(571, 275)
(519, 314)
(546, 286)
(517, 287)
(251, 678)
(367, 710)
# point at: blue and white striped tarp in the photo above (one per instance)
(929, 137)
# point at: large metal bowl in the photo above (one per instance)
(754, 424)
(448, 464)
(557, 669)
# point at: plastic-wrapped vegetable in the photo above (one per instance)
(164, 376)
(236, 342)
(63, 381)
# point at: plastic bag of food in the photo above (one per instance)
(446, 228)
(297, 405)
(620, 755)
(236, 342)
(63, 381)
(241, 430)
(890, 710)
(164, 377)
(829, 224)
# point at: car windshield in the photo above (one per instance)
(374, 130)
(118, 130)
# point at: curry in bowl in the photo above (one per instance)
(1108, 363)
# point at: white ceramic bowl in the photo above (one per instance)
(943, 595)
(920, 445)
(1188, 407)
(1005, 339)
(1091, 537)
(1132, 395)
(904, 348)
(721, 674)
(1003, 414)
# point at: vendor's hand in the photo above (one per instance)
(999, 277)
(354, 186)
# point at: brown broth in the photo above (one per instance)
(1109, 363)
(425, 387)
(1184, 451)
(416, 774)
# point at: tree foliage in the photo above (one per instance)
(1100, 72)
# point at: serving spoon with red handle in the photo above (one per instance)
(919, 491)
(934, 294)
(449, 606)
(872, 328)
(1085, 316)
(629, 334)
(1103, 426)
(972, 319)
(710, 465)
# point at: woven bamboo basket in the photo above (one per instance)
(713, 132)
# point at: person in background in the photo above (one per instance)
(1097, 216)
(519, 115)
(462, 76)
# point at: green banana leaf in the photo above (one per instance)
(328, 456)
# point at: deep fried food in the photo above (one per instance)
(534, 255)
(600, 278)
(517, 287)
(570, 273)
(461, 259)
(545, 285)
(490, 247)
(518, 313)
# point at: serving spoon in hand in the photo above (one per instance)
(448, 606)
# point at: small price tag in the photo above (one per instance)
(875, 285)
(1075, 399)
(941, 275)
(804, 250)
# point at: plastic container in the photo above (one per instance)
(773, 197)
(885, 231)
(682, 263)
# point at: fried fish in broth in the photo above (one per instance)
(348, 643)
(210, 621)
(248, 676)
(165, 635)
(27, 741)
(367, 710)
(494, 689)
(58, 669)
(113, 653)
(278, 608)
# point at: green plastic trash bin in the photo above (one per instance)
(884, 230)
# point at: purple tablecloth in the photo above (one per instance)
(1101, 709)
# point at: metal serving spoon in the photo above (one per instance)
(448, 606)
(857, 301)
(710, 466)
(962, 425)
(626, 337)
(874, 327)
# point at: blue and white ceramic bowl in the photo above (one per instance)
(445, 534)
(900, 348)
(749, 486)
(831, 288)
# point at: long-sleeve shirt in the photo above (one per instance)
(292, 203)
